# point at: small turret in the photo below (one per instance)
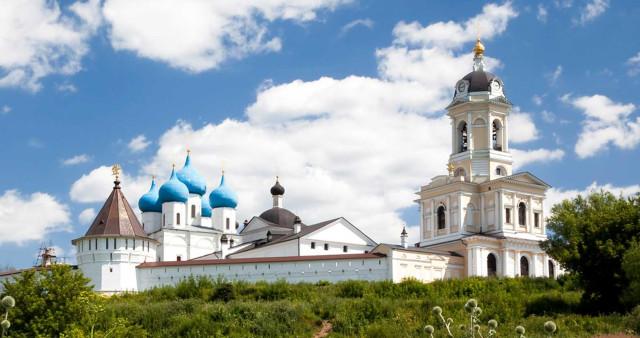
(403, 238)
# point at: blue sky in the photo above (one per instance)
(345, 97)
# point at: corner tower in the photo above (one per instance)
(479, 116)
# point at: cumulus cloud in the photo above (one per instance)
(138, 143)
(199, 35)
(84, 158)
(343, 145)
(521, 127)
(557, 195)
(87, 216)
(592, 10)
(634, 64)
(606, 122)
(6, 109)
(19, 223)
(548, 116)
(542, 13)
(537, 99)
(97, 185)
(523, 157)
(360, 22)
(42, 40)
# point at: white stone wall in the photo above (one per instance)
(151, 221)
(219, 218)
(370, 269)
(170, 211)
(194, 202)
(112, 269)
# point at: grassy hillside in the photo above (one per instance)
(203, 308)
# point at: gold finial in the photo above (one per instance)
(188, 143)
(450, 167)
(115, 170)
(478, 49)
(223, 162)
(153, 175)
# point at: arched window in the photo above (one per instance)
(496, 135)
(193, 211)
(469, 215)
(524, 266)
(500, 171)
(522, 213)
(552, 269)
(178, 218)
(462, 137)
(441, 223)
(460, 172)
(492, 268)
(164, 220)
(227, 223)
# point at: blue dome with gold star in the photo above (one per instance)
(192, 178)
(173, 190)
(150, 202)
(223, 196)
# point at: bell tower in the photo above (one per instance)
(479, 113)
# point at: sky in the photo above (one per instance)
(343, 99)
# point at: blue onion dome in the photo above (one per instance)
(223, 196)
(150, 202)
(173, 190)
(206, 207)
(192, 178)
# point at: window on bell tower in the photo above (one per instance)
(496, 135)
(462, 137)
(441, 219)
(522, 213)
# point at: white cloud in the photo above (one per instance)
(67, 87)
(542, 13)
(537, 99)
(342, 144)
(555, 75)
(593, 10)
(521, 127)
(199, 35)
(563, 3)
(6, 109)
(605, 122)
(634, 63)
(35, 143)
(97, 185)
(548, 116)
(557, 195)
(41, 41)
(138, 143)
(360, 22)
(84, 158)
(87, 216)
(19, 223)
(493, 21)
(523, 157)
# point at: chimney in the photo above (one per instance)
(297, 225)
(403, 238)
(224, 246)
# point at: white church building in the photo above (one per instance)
(479, 219)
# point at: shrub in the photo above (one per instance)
(352, 289)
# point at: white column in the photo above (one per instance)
(501, 213)
(516, 214)
(422, 212)
(489, 132)
(496, 210)
(461, 223)
(516, 264)
(469, 132)
(454, 138)
(481, 211)
(534, 271)
(477, 255)
(433, 219)
(545, 266)
(543, 224)
(530, 215)
(448, 218)
(505, 262)
(505, 135)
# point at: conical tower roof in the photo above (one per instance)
(116, 218)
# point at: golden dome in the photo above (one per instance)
(478, 49)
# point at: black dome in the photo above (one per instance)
(280, 216)
(479, 81)
(277, 189)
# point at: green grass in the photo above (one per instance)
(206, 308)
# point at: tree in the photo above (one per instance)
(48, 302)
(589, 237)
(631, 268)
